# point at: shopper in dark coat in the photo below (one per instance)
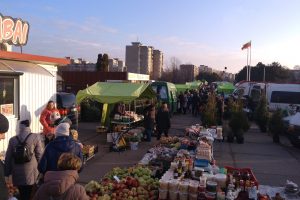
(62, 143)
(3, 129)
(24, 175)
(163, 122)
(62, 184)
(149, 120)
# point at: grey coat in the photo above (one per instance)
(27, 173)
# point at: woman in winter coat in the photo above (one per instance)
(47, 122)
(4, 125)
(163, 122)
(24, 174)
(62, 143)
(62, 184)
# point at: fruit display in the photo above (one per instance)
(135, 183)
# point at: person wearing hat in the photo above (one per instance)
(24, 174)
(3, 129)
(62, 143)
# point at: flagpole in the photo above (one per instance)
(250, 61)
(247, 67)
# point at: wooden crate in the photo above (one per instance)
(101, 129)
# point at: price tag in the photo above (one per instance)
(117, 179)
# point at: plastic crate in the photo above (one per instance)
(244, 170)
(201, 163)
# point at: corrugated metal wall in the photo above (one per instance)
(35, 91)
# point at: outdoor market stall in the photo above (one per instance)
(112, 93)
(225, 87)
(187, 173)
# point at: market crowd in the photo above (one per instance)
(42, 166)
(194, 101)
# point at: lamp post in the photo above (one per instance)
(225, 68)
(264, 74)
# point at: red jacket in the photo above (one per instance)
(46, 121)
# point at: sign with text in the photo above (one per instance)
(13, 31)
(7, 109)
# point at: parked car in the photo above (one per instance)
(66, 104)
(292, 126)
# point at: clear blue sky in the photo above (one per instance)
(209, 32)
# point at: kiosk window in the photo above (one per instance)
(9, 95)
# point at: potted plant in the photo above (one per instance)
(225, 125)
(210, 112)
(261, 114)
(238, 121)
(276, 125)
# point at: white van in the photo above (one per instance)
(282, 95)
(251, 89)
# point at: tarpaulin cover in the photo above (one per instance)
(182, 87)
(194, 84)
(110, 93)
(225, 87)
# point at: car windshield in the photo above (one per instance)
(67, 100)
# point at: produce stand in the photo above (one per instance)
(183, 168)
(111, 93)
(89, 151)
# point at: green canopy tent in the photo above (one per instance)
(194, 85)
(182, 87)
(225, 87)
(111, 93)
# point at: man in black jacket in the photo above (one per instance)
(163, 122)
(3, 129)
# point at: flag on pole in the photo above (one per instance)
(247, 45)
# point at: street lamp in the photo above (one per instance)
(264, 73)
(225, 68)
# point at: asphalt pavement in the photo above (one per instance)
(271, 163)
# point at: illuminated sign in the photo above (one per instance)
(13, 31)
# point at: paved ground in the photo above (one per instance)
(272, 163)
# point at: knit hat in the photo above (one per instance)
(3, 124)
(62, 130)
(26, 123)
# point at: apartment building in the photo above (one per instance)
(141, 59)
(146, 60)
(115, 65)
(132, 57)
(158, 61)
(189, 72)
(204, 68)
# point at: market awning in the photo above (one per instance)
(19, 67)
(225, 87)
(182, 87)
(110, 93)
(194, 84)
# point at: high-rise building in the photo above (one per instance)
(146, 60)
(189, 72)
(115, 65)
(157, 64)
(132, 58)
(140, 59)
(206, 69)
